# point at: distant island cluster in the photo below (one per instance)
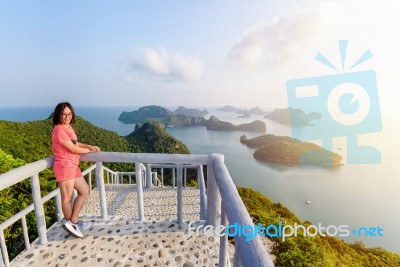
(269, 148)
(186, 117)
(288, 116)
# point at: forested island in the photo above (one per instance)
(244, 112)
(191, 112)
(295, 117)
(289, 151)
(24, 142)
(172, 119)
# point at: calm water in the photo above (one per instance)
(356, 195)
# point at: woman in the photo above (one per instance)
(67, 150)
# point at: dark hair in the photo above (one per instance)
(58, 111)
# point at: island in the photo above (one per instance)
(191, 112)
(171, 119)
(215, 124)
(144, 114)
(290, 116)
(245, 114)
(257, 111)
(230, 109)
(289, 151)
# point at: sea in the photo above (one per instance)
(365, 197)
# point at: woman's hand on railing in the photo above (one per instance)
(94, 148)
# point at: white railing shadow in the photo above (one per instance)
(220, 202)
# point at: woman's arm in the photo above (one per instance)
(78, 149)
(91, 148)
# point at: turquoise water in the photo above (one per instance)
(355, 195)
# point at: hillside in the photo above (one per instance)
(151, 137)
(31, 140)
(303, 250)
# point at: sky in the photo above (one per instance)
(190, 53)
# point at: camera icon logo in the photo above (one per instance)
(348, 105)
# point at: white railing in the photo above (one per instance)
(220, 203)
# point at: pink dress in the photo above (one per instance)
(66, 164)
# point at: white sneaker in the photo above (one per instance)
(73, 229)
(84, 225)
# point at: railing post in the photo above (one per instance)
(57, 204)
(203, 196)
(236, 257)
(139, 191)
(223, 240)
(102, 190)
(4, 259)
(25, 232)
(148, 175)
(90, 182)
(162, 177)
(173, 177)
(213, 196)
(184, 177)
(179, 194)
(154, 178)
(39, 210)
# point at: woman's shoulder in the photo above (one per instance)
(59, 127)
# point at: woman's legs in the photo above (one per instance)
(66, 189)
(83, 191)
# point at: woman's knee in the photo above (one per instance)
(85, 192)
(66, 199)
(83, 188)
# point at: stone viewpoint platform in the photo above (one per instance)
(122, 241)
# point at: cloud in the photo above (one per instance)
(163, 65)
(269, 45)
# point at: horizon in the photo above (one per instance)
(138, 106)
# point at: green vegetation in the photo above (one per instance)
(152, 138)
(18, 197)
(311, 251)
(286, 150)
(31, 140)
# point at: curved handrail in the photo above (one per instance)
(21, 173)
(237, 213)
